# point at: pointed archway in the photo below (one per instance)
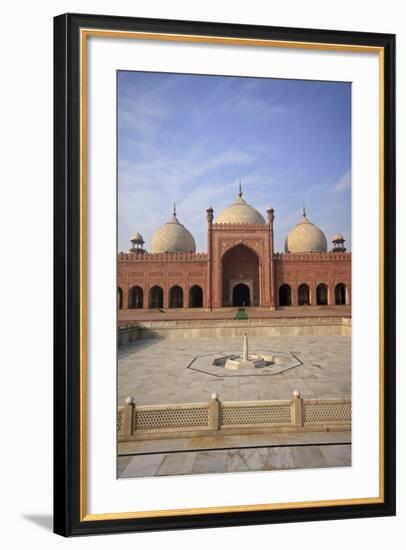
(285, 295)
(303, 295)
(176, 297)
(196, 296)
(322, 294)
(156, 297)
(340, 294)
(136, 298)
(240, 266)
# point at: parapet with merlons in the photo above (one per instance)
(162, 257)
(240, 226)
(312, 256)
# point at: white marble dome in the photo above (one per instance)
(305, 237)
(240, 212)
(173, 237)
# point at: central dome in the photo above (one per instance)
(173, 237)
(240, 212)
(306, 237)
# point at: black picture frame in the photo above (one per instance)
(68, 520)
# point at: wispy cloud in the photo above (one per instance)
(343, 184)
(192, 182)
(188, 140)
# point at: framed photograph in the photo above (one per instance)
(224, 274)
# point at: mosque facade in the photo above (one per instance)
(240, 268)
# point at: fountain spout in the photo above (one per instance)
(247, 361)
(245, 348)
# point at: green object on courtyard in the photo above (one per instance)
(241, 314)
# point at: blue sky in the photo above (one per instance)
(189, 139)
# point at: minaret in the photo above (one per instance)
(210, 216)
(271, 217)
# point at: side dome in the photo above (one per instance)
(240, 212)
(306, 237)
(173, 237)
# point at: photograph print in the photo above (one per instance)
(233, 274)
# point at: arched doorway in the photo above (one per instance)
(340, 294)
(119, 298)
(303, 295)
(176, 297)
(285, 295)
(156, 297)
(240, 266)
(136, 298)
(322, 294)
(196, 296)
(241, 295)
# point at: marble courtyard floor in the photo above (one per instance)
(228, 454)
(235, 460)
(161, 371)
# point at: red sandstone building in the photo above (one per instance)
(240, 268)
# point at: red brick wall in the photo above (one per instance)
(186, 270)
(164, 270)
(315, 268)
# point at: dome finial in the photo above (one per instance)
(304, 211)
(174, 219)
(239, 189)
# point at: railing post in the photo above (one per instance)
(129, 416)
(214, 412)
(297, 409)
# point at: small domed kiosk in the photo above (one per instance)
(137, 243)
(338, 243)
